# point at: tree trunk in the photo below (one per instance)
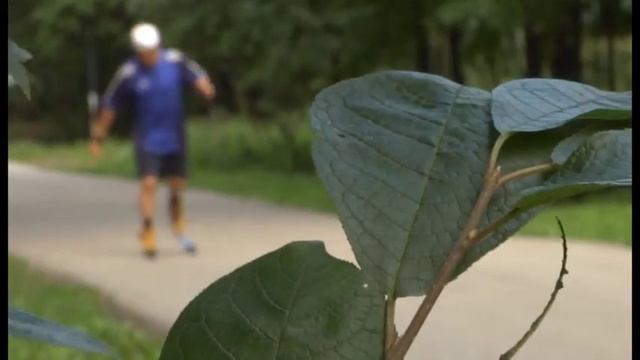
(611, 68)
(455, 39)
(566, 62)
(226, 92)
(421, 38)
(533, 50)
(609, 14)
(254, 96)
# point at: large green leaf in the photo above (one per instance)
(403, 156)
(17, 71)
(531, 105)
(29, 326)
(604, 160)
(297, 302)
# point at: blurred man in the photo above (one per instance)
(152, 82)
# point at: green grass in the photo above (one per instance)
(254, 161)
(605, 217)
(293, 189)
(298, 190)
(76, 306)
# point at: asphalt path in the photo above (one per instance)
(84, 228)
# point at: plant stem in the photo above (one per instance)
(468, 237)
(495, 151)
(534, 326)
(495, 225)
(492, 227)
(399, 350)
(526, 172)
(390, 334)
(503, 180)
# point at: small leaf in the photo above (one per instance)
(17, 71)
(17, 53)
(297, 302)
(604, 160)
(29, 326)
(403, 156)
(19, 75)
(567, 146)
(531, 105)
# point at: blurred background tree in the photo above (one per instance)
(268, 58)
(272, 56)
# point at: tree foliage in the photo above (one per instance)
(271, 56)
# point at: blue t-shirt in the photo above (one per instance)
(156, 96)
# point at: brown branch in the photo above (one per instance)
(534, 326)
(462, 244)
(526, 172)
(481, 234)
(390, 334)
(468, 236)
(495, 151)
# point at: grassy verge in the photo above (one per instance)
(257, 161)
(75, 306)
(604, 217)
(292, 189)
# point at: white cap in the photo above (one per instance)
(145, 36)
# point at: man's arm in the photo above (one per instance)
(111, 101)
(197, 76)
(205, 87)
(99, 130)
(101, 125)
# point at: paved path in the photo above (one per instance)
(84, 227)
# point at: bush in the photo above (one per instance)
(236, 143)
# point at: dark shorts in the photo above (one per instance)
(168, 165)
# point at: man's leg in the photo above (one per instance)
(147, 209)
(176, 205)
(147, 199)
(148, 168)
(176, 211)
(176, 170)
